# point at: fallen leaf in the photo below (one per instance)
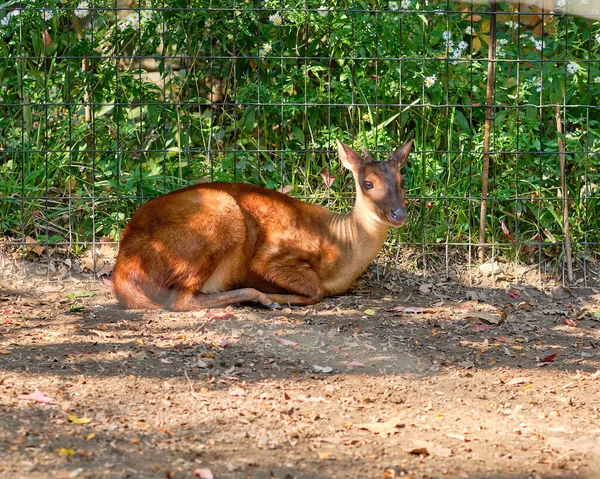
(482, 317)
(65, 452)
(76, 472)
(513, 294)
(239, 392)
(286, 342)
(324, 455)
(571, 322)
(550, 357)
(5, 352)
(78, 420)
(516, 381)
(223, 315)
(355, 364)
(504, 339)
(37, 396)
(460, 437)
(202, 364)
(403, 309)
(425, 288)
(426, 448)
(203, 473)
(385, 429)
(419, 451)
(369, 312)
(562, 292)
(321, 369)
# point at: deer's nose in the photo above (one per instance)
(397, 216)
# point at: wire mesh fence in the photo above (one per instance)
(106, 104)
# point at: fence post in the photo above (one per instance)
(489, 116)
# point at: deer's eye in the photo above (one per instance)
(368, 185)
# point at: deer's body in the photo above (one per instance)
(215, 244)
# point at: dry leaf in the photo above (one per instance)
(355, 364)
(507, 233)
(562, 292)
(37, 396)
(65, 452)
(403, 309)
(369, 312)
(482, 317)
(239, 392)
(571, 322)
(286, 190)
(547, 359)
(324, 455)
(327, 178)
(517, 381)
(425, 288)
(203, 473)
(321, 369)
(383, 428)
(78, 420)
(224, 315)
(426, 448)
(286, 342)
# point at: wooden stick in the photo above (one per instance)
(489, 111)
(565, 196)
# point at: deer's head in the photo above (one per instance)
(379, 184)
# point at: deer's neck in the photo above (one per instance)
(359, 237)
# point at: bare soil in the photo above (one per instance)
(413, 377)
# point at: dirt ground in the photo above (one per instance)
(403, 377)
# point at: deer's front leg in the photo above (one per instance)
(290, 274)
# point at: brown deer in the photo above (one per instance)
(215, 244)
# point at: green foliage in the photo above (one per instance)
(259, 91)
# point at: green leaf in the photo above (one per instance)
(461, 121)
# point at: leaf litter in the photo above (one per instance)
(453, 385)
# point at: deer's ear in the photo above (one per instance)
(350, 159)
(400, 156)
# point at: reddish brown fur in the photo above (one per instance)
(216, 244)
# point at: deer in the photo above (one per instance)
(212, 245)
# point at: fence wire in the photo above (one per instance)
(105, 104)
